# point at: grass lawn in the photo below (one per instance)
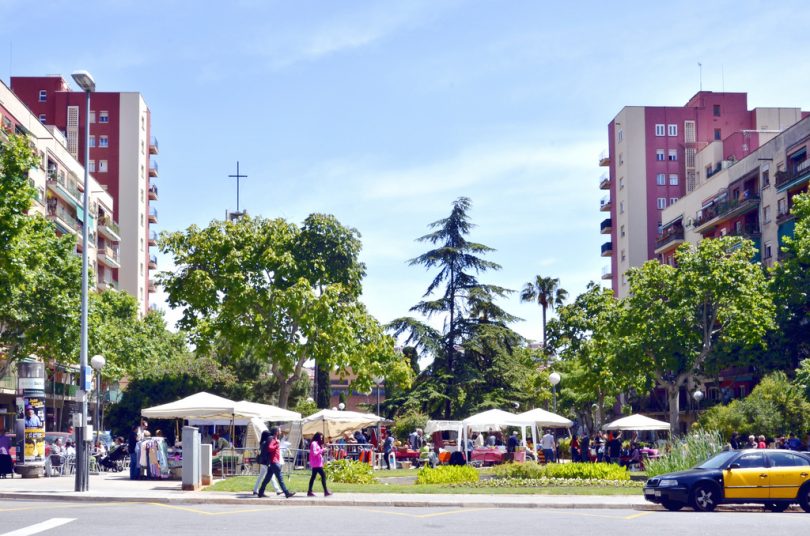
(300, 480)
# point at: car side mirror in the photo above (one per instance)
(734, 466)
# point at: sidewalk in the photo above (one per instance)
(111, 487)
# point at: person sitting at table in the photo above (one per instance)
(220, 443)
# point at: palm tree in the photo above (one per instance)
(547, 292)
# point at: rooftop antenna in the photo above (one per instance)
(237, 177)
(722, 78)
(700, 68)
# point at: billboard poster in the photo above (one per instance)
(33, 412)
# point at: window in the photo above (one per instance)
(672, 130)
(141, 266)
(92, 116)
(43, 95)
(768, 250)
(620, 135)
(751, 461)
(716, 110)
(673, 179)
(103, 141)
(143, 122)
(43, 118)
(92, 141)
(766, 214)
(621, 207)
(673, 200)
(717, 135)
(659, 154)
(624, 257)
(662, 203)
(781, 207)
(143, 148)
(786, 459)
(621, 183)
(766, 176)
(659, 129)
(661, 179)
(621, 231)
(102, 166)
(103, 117)
(91, 166)
(621, 158)
(673, 154)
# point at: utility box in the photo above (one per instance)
(191, 458)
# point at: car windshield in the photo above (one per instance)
(717, 461)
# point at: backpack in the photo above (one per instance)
(264, 456)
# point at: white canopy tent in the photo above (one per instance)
(492, 419)
(540, 418)
(197, 406)
(332, 423)
(267, 412)
(636, 422)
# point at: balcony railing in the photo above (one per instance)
(605, 204)
(604, 158)
(153, 215)
(153, 192)
(797, 174)
(153, 169)
(670, 234)
(152, 262)
(59, 212)
(604, 182)
(67, 185)
(783, 215)
(748, 230)
(606, 226)
(153, 238)
(726, 209)
(607, 272)
(607, 249)
(154, 148)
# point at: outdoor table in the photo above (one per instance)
(487, 455)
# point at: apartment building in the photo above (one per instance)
(652, 162)
(751, 197)
(121, 151)
(59, 183)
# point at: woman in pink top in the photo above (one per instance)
(316, 463)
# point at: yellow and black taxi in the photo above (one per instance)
(772, 477)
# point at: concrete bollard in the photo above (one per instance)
(191, 458)
(206, 459)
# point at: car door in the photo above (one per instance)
(787, 473)
(747, 477)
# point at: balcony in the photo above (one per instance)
(607, 272)
(605, 204)
(785, 180)
(153, 238)
(604, 182)
(153, 215)
(152, 287)
(108, 284)
(668, 238)
(109, 257)
(606, 226)
(604, 159)
(607, 249)
(153, 262)
(748, 230)
(153, 193)
(64, 187)
(707, 218)
(153, 169)
(153, 146)
(783, 215)
(109, 229)
(63, 219)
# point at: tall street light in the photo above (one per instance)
(98, 362)
(88, 85)
(554, 379)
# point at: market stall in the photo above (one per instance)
(493, 419)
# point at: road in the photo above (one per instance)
(24, 518)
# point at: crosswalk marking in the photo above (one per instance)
(40, 527)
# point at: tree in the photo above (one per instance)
(39, 273)
(475, 351)
(675, 317)
(585, 338)
(546, 291)
(279, 295)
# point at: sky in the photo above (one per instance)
(384, 113)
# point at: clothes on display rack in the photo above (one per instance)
(152, 455)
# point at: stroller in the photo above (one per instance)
(114, 461)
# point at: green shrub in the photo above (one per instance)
(587, 471)
(349, 472)
(549, 483)
(564, 447)
(686, 452)
(447, 474)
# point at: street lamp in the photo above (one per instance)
(341, 406)
(378, 381)
(698, 396)
(554, 379)
(88, 85)
(98, 362)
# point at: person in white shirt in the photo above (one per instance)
(548, 445)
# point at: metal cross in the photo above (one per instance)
(237, 177)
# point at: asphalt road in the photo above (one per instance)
(22, 518)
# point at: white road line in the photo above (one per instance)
(40, 527)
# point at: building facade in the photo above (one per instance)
(121, 150)
(59, 183)
(652, 162)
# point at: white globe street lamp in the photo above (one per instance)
(554, 378)
(97, 362)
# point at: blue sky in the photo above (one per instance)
(383, 113)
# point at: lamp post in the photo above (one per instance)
(554, 379)
(341, 406)
(378, 381)
(88, 85)
(698, 396)
(98, 362)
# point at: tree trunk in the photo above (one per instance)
(284, 392)
(544, 333)
(323, 395)
(673, 397)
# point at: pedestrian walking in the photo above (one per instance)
(316, 464)
(274, 467)
(263, 459)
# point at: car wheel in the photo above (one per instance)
(672, 506)
(804, 498)
(705, 497)
(776, 507)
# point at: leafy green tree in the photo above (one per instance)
(675, 317)
(475, 351)
(278, 294)
(546, 291)
(586, 339)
